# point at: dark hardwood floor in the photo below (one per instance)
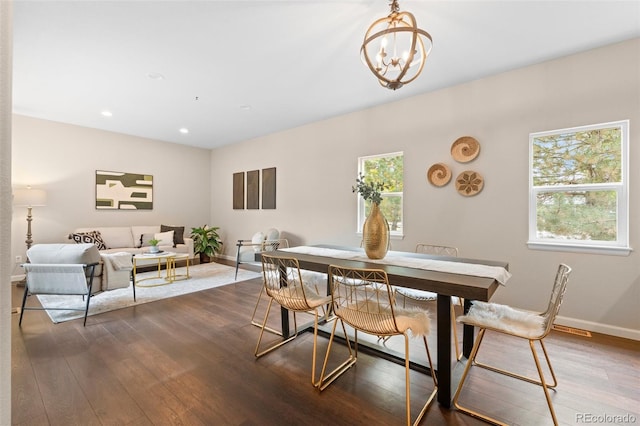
(189, 360)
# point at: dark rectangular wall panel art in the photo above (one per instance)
(269, 188)
(238, 191)
(253, 189)
(123, 191)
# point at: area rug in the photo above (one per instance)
(203, 277)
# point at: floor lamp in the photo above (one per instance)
(29, 198)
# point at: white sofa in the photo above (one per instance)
(131, 239)
(111, 274)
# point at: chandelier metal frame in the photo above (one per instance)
(395, 71)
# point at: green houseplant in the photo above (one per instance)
(370, 191)
(153, 243)
(206, 242)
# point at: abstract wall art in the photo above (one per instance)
(123, 191)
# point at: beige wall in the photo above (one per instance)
(62, 159)
(317, 164)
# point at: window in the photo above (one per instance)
(387, 168)
(578, 195)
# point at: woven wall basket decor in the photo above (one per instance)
(465, 149)
(439, 174)
(469, 183)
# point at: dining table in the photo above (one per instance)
(470, 279)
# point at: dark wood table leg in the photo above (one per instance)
(284, 321)
(467, 333)
(284, 312)
(444, 350)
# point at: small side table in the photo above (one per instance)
(170, 268)
(175, 277)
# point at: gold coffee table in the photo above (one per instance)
(169, 259)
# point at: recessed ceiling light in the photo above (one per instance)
(245, 107)
(184, 130)
(155, 76)
(106, 113)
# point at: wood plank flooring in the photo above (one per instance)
(189, 361)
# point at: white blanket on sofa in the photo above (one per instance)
(116, 270)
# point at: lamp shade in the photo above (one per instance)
(29, 197)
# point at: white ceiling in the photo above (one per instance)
(236, 70)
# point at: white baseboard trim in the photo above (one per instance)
(596, 327)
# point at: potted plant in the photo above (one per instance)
(206, 242)
(153, 243)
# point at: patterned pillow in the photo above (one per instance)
(144, 239)
(93, 237)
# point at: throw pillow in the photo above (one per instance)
(257, 239)
(93, 237)
(166, 238)
(178, 233)
(144, 239)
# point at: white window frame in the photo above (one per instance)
(361, 202)
(618, 247)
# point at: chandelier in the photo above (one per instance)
(395, 49)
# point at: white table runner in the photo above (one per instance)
(498, 273)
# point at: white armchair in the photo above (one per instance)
(261, 241)
(61, 269)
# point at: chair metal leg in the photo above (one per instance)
(454, 327)
(255, 310)
(521, 377)
(467, 367)
(315, 382)
(263, 327)
(237, 262)
(326, 380)
(86, 308)
(541, 382)
(277, 345)
(433, 394)
(24, 301)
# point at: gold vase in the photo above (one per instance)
(375, 234)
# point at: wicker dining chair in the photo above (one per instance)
(272, 245)
(364, 300)
(311, 278)
(428, 296)
(283, 283)
(517, 323)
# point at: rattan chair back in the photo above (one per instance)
(283, 283)
(364, 299)
(557, 295)
(436, 249)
